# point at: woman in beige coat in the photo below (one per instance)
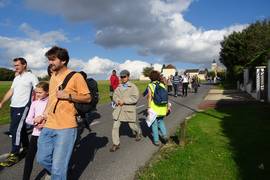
(126, 96)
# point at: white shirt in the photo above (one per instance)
(185, 79)
(22, 86)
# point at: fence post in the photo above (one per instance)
(183, 127)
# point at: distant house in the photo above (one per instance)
(202, 74)
(192, 72)
(217, 68)
(168, 70)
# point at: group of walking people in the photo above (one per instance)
(55, 127)
(181, 83)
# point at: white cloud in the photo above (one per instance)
(98, 65)
(152, 26)
(50, 37)
(102, 66)
(32, 48)
(32, 51)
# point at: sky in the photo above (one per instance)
(101, 35)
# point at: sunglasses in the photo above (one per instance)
(123, 77)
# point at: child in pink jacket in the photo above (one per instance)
(36, 110)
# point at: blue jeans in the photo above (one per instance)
(55, 147)
(158, 124)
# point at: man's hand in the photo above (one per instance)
(39, 119)
(120, 103)
(41, 124)
(60, 94)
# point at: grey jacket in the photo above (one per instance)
(130, 97)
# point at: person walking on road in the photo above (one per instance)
(185, 82)
(20, 94)
(36, 109)
(57, 138)
(126, 96)
(114, 82)
(176, 82)
(161, 110)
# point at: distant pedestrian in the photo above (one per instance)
(185, 82)
(36, 109)
(160, 109)
(126, 96)
(114, 82)
(176, 82)
(195, 83)
(20, 94)
(169, 83)
(57, 138)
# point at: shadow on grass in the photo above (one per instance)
(248, 129)
(247, 125)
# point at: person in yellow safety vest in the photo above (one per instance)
(161, 110)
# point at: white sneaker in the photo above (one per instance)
(47, 177)
(113, 105)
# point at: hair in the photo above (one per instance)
(22, 60)
(49, 71)
(43, 85)
(114, 71)
(154, 76)
(58, 52)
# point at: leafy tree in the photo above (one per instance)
(147, 70)
(211, 74)
(248, 48)
(6, 74)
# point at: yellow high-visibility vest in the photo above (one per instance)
(161, 110)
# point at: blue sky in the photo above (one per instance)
(102, 35)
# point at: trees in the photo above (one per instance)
(6, 74)
(147, 70)
(248, 48)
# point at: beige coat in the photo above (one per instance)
(130, 97)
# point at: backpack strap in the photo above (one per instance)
(66, 80)
(153, 89)
(63, 86)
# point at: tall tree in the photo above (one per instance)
(147, 70)
(239, 49)
(6, 74)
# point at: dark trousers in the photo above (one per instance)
(175, 87)
(18, 128)
(30, 156)
(184, 89)
(169, 88)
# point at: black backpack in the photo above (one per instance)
(83, 108)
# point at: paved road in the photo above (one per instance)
(92, 159)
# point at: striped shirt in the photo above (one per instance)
(176, 79)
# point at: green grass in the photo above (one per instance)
(226, 143)
(4, 111)
(103, 91)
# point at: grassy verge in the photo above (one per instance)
(4, 111)
(103, 90)
(225, 143)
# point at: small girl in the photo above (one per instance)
(37, 108)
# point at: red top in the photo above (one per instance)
(114, 81)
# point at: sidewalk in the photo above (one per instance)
(219, 97)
